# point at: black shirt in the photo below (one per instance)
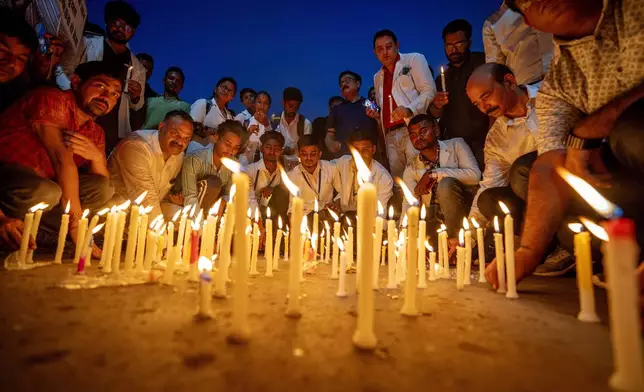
(346, 118)
(460, 117)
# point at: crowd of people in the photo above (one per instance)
(558, 85)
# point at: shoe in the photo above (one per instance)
(557, 263)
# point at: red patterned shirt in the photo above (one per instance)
(19, 142)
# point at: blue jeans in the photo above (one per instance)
(455, 199)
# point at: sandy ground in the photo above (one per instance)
(145, 338)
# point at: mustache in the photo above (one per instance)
(491, 110)
(100, 100)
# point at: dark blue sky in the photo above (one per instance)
(270, 45)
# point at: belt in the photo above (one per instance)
(395, 128)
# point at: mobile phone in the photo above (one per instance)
(371, 105)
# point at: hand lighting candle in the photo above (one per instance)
(62, 235)
(509, 252)
(481, 245)
(297, 211)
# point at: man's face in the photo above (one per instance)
(173, 83)
(554, 16)
(291, 107)
(457, 46)
(228, 145)
(13, 57)
(248, 99)
(386, 50)
(175, 135)
(271, 150)
(119, 31)
(225, 91)
(310, 156)
(490, 96)
(372, 95)
(349, 86)
(262, 104)
(149, 68)
(98, 95)
(422, 135)
(366, 149)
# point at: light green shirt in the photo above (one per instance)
(196, 167)
(158, 107)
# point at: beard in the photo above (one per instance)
(97, 107)
(119, 40)
(458, 58)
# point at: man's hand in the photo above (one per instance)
(440, 100)
(11, 233)
(266, 192)
(81, 145)
(452, 243)
(580, 161)
(262, 118)
(176, 198)
(401, 113)
(134, 88)
(523, 266)
(372, 113)
(425, 184)
(253, 128)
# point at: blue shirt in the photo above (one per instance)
(346, 118)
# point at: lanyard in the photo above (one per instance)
(270, 183)
(319, 182)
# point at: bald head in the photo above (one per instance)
(493, 89)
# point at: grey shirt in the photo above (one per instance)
(196, 167)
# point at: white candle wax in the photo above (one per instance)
(89, 234)
(80, 237)
(383, 254)
(182, 233)
(276, 249)
(203, 249)
(126, 88)
(350, 247)
(583, 263)
(205, 287)
(509, 257)
(432, 266)
(118, 242)
(443, 80)
(24, 243)
(140, 246)
(287, 237)
(293, 307)
(240, 330)
(187, 242)
(422, 273)
(401, 266)
(34, 234)
(445, 251)
(253, 260)
(342, 292)
(171, 256)
(210, 243)
(150, 250)
(334, 262)
(106, 239)
(268, 252)
(468, 258)
(377, 250)
(481, 245)
(62, 237)
(108, 244)
(221, 277)
(328, 245)
(500, 262)
(132, 233)
(460, 267)
(391, 243)
(314, 233)
(409, 307)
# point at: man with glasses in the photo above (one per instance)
(458, 116)
(349, 116)
(404, 88)
(121, 22)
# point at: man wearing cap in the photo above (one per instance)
(291, 124)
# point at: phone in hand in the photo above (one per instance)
(371, 105)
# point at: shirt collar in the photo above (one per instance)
(531, 90)
(285, 124)
(607, 12)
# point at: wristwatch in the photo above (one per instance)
(578, 143)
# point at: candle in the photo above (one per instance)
(481, 245)
(383, 253)
(343, 272)
(443, 248)
(151, 245)
(321, 241)
(305, 245)
(161, 242)
(80, 236)
(132, 233)
(203, 249)
(205, 286)
(87, 253)
(509, 253)
(327, 230)
(432, 262)
(443, 79)
(193, 268)
(213, 216)
(34, 230)
(500, 258)
(141, 239)
(249, 240)
(106, 237)
(24, 243)
(62, 235)
(391, 107)
(402, 255)
(224, 259)
(182, 230)
(268, 252)
(171, 254)
(364, 336)
(583, 264)
(336, 237)
(297, 207)
(118, 241)
(422, 229)
(316, 222)
(187, 238)
(460, 261)
(287, 236)
(278, 243)
(90, 232)
(468, 253)
(349, 245)
(127, 79)
(391, 240)
(240, 330)
(253, 260)
(376, 244)
(110, 236)
(409, 306)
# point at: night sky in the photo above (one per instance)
(270, 45)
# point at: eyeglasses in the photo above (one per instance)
(225, 90)
(347, 80)
(122, 25)
(460, 45)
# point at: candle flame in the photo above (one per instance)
(442, 70)
(186, 209)
(162, 229)
(428, 246)
(249, 212)
(475, 223)
(315, 205)
(364, 173)
(576, 227)
(461, 237)
(195, 224)
(233, 166)
(97, 228)
(155, 221)
(305, 225)
(340, 244)
(38, 207)
(295, 191)
(598, 202)
(443, 227)
(348, 221)
(103, 212)
(423, 212)
(67, 207)
(139, 199)
(176, 216)
(204, 264)
(279, 222)
(594, 228)
(505, 208)
(408, 195)
(381, 209)
(496, 224)
(216, 207)
(233, 190)
(122, 207)
(268, 212)
(256, 215)
(249, 229)
(328, 228)
(385, 242)
(148, 209)
(404, 221)
(322, 233)
(466, 224)
(85, 213)
(439, 230)
(333, 214)
(391, 212)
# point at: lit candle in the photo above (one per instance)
(171, 254)
(422, 231)
(118, 241)
(161, 242)
(26, 225)
(80, 236)
(205, 286)
(34, 230)
(336, 237)
(481, 245)
(87, 253)
(409, 306)
(297, 211)
(193, 268)
(500, 257)
(460, 261)
(278, 243)
(287, 236)
(391, 240)
(349, 245)
(132, 233)
(110, 236)
(126, 89)
(249, 240)
(509, 253)
(224, 259)
(151, 245)
(376, 244)
(468, 253)
(268, 252)
(321, 241)
(213, 217)
(182, 230)
(383, 253)
(583, 264)
(109, 223)
(402, 255)
(240, 330)
(432, 261)
(62, 236)
(305, 245)
(141, 239)
(343, 272)
(444, 250)
(443, 79)
(327, 230)
(391, 107)
(314, 236)
(253, 260)
(365, 336)
(90, 232)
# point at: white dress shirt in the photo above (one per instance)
(509, 40)
(349, 186)
(318, 185)
(507, 140)
(243, 116)
(456, 160)
(289, 131)
(414, 89)
(213, 118)
(137, 165)
(260, 178)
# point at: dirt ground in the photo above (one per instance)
(145, 338)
